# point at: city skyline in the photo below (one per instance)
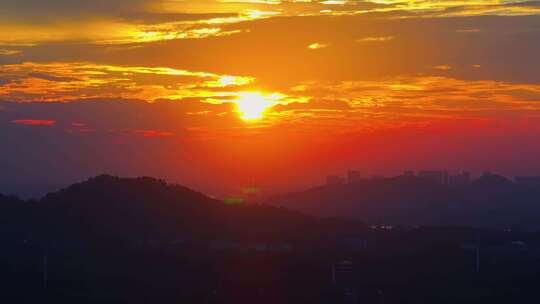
(440, 176)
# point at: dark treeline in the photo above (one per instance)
(117, 240)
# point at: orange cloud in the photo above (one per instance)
(316, 46)
(47, 82)
(34, 122)
(154, 133)
(442, 67)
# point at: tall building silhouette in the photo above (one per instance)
(440, 177)
(408, 173)
(353, 176)
(334, 180)
(459, 180)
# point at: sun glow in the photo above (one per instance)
(253, 105)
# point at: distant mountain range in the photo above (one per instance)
(490, 201)
(108, 208)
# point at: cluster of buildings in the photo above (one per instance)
(439, 176)
(443, 178)
(259, 247)
(352, 177)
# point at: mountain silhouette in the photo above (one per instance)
(116, 240)
(14, 217)
(112, 207)
(108, 208)
(491, 200)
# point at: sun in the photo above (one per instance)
(253, 105)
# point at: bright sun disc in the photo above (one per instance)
(252, 105)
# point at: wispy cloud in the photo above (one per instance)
(28, 82)
(9, 52)
(442, 67)
(34, 122)
(317, 45)
(375, 39)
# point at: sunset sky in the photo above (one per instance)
(220, 95)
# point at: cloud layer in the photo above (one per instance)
(139, 87)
